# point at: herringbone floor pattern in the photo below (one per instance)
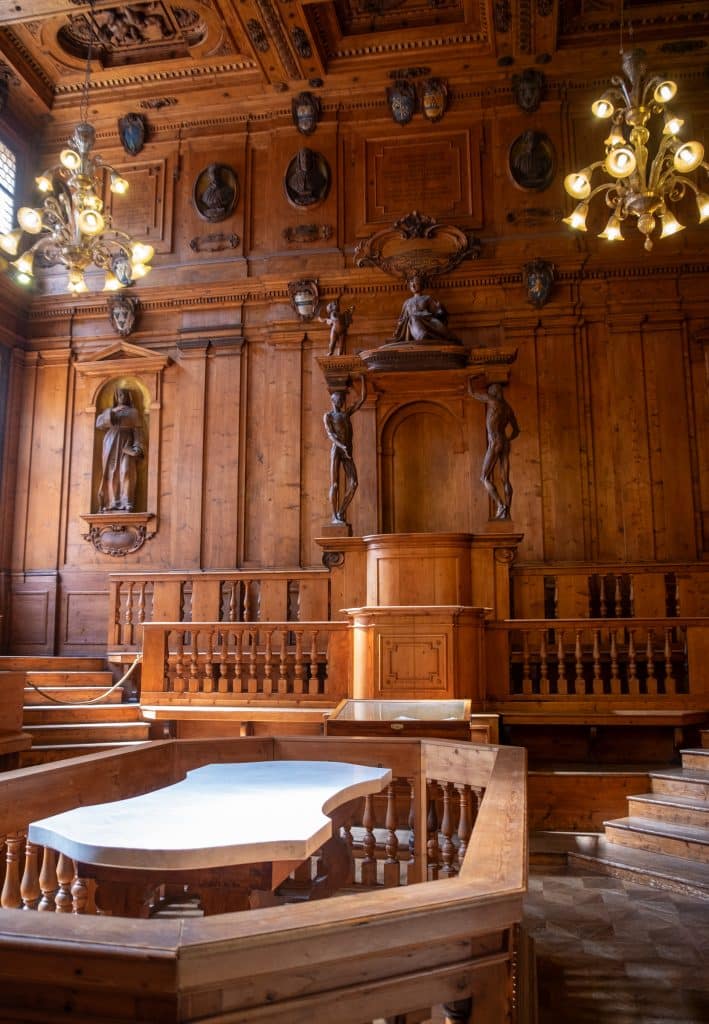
(615, 952)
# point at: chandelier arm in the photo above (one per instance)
(664, 153)
(621, 89)
(649, 87)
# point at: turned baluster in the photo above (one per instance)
(298, 663)
(618, 598)
(669, 677)
(448, 865)
(369, 843)
(313, 681)
(11, 897)
(48, 880)
(526, 677)
(248, 610)
(65, 876)
(579, 684)
(543, 665)
(465, 825)
(79, 895)
(179, 681)
(29, 886)
(238, 662)
(141, 603)
(208, 666)
(615, 679)
(561, 683)
(252, 683)
(604, 606)
(651, 681)
(631, 598)
(223, 684)
(633, 681)
(268, 664)
(283, 664)
(193, 685)
(232, 609)
(411, 822)
(433, 850)
(597, 681)
(129, 614)
(392, 867)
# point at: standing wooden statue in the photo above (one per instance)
(338, 427)
(339, 322)
(122, 447)
(499, 418)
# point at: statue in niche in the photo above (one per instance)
(423, 320)
(502, 429)
(340, 322)
(338, 427)
(216, 192)
(307, 178)
(122, 447)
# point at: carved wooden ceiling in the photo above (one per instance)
(257, 46)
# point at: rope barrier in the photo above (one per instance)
(94, 700)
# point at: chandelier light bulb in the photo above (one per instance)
(70, 159)
(142, 252)
(24, 264)
(140, 270)
(670, 224)
(91, 222)
(665, 92)
(612, 232)
(577, 219)
(111, 284)
(119, 185)
(688, 157)
(602, 108)
(10, 241)
(23, 278)
(620, 163)
(702, 206)
(578, 184)
(44, 183)
(615, 138)
(673, 124)
(30, 220)
(92, 202)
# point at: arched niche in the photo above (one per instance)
(106, 399)
(425, 471)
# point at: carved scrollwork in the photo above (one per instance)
(308, 233)
(333, 559)
(214, 243)
(417, 244)
(505, 556)
(118, 533)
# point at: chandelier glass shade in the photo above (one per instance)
(73, 228)
(646, 161)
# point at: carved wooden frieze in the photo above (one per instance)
(416, 244)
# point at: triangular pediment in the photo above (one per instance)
(128, 357)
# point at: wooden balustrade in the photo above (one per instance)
(364, 955)
(237, 596)
(214, 662)
(598, 659)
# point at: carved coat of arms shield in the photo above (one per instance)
(402, 100)
(434, 98)
(306, 112)
(121, 312)
(131, 131)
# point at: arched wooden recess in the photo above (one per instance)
(425, 470)
(121, 365)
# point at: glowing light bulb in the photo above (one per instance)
(70, 159)
(688, 157)
(665, 92)
(577, 219)
(142, 252)
(111, 283)
(620, 163)
(91, 222)
(578, 184)
(702, 206)
(118, 185)
(140, 270)
(670, 224)
(673, 124)
(29, 220)
(10, 242)
(602, 108)
(24, 264)
(44, 183)
(612, 232)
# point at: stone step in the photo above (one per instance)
(696, 760)
(33, 663)
(678, 810)
(682, 841)
(660, 871)
(680, 782)
(45, 755)
(89, 732)
(54, 714)
(70, 694)
(98, 678)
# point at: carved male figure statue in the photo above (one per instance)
(499, 418)
(338, 427)
(122, 447)
(340, 322)
(423, 318)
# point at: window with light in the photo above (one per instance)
(8, 175)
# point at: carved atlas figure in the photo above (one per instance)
(502, 429)
(338, 427)
(122, 447)
(423, 318)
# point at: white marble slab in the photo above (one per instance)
(219, 815)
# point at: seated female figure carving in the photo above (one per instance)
(423, 318)
(122, 447)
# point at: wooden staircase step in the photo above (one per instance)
(89, 732)
(676, 874)
(45, 754)
(70, 694)
(704, 733)
(32, 663)
(98, 678)
(55, 714)
(680, 782)
(660, 837)
(696, 760)
(678, 810)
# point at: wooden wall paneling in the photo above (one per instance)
(27, 387)
(273, 450)
(670, 414)
(187, 465)
(145, 211)
(33, 608)
(698, 388)
(82, 612)
(222, 454)
(560, 441)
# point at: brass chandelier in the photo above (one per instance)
(74, 230)
(647, 162)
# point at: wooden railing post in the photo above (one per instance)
(153, 674)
